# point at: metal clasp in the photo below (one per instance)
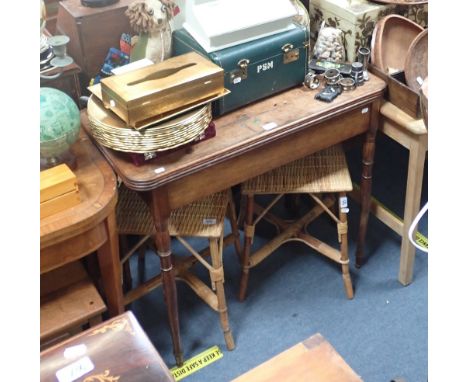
(240, 74)
(290, 54)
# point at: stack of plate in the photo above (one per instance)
(110, 131)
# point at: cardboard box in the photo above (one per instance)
(357, 18)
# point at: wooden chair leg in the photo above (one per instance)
(231, 213)
(248, 238)
(216, 253)
(343, 217)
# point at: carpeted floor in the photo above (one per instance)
(295, 293)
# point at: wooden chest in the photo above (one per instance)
(155, 90)
(92, 31)
(115, 350)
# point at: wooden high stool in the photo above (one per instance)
(322, 172)
(69, 300)
(204, 219)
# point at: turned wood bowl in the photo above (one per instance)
(416, 61)
(424, 98)
(401, 2)
(391, 40)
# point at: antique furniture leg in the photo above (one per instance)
(368, 152)
(343, 239)
(160, 212)
(217, 280)
(417, 157)
(248, 238)
(109, 264)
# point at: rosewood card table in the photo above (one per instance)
(249, 142)
(89, 226)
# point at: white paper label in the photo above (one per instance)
(159, 170)
(419, 80)
(75, 351)
(345, 210)
(75, 370)
(236, 80)
(365, 110)
(343, 202)
(209, 221)
(269, 126)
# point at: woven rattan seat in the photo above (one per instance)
(325, 172)
(204, 219)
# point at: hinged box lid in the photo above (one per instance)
(219, 24)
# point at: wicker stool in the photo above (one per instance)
(204, 218)
(323, 172)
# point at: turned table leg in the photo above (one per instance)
(368, 152)
(160, 211)
(109, 265)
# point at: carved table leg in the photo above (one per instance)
(160, 211)
(109, 264)
(368, 152)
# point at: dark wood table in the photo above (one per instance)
(89, 226)
(249, 142)
(115, 350)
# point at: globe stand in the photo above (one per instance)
(67, 157)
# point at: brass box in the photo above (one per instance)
(147, 93)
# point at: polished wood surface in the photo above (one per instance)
(312, 360)
(89, 226)
(242, 149)
(119, 350)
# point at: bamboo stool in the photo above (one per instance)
(69, 300)
(205, 219)
(322, 172)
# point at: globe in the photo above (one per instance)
(60, 126)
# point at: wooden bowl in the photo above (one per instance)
(401, 2)
(416, 61)
(424, 97)
(391, 40)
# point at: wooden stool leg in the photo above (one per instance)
(231, 213)
(126, 272)
(414, 182)
(248, 238)
(344, 251)
(216, 253)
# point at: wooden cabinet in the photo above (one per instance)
(92, 31)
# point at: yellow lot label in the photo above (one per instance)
(196, 363)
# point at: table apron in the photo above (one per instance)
(265, 158)
(73, 249)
